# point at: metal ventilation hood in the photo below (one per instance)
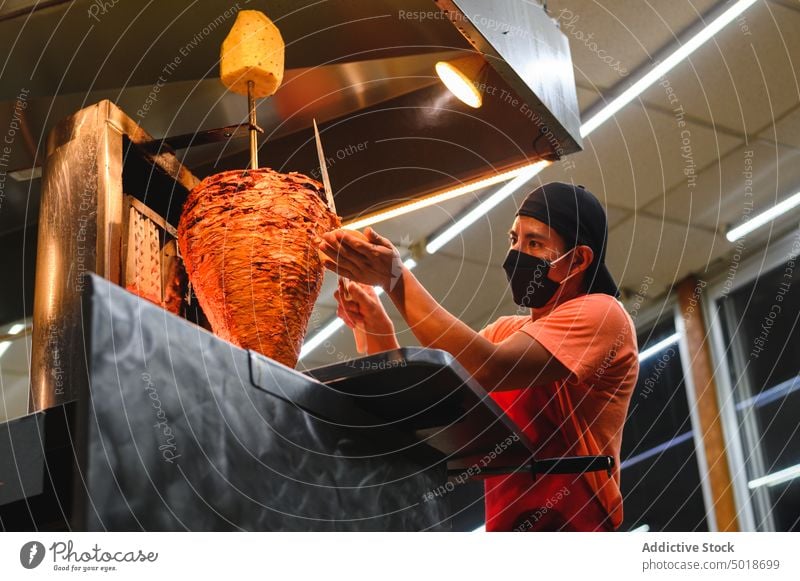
(363, 69)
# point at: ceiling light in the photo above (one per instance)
(661, 345)
(776, 478)
(462, 76)
(665, 66)
(482, 208)
(764, 217)
(438, 197)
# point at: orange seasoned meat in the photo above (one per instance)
(247, 241)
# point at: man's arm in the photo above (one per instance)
(517, 362)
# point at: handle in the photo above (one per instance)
(361, 339)
(359, 332)
(565, 465)
(573, 465)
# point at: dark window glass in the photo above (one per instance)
(760, 322)
(660, 476)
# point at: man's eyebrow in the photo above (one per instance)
(529, 235)
(535, 235)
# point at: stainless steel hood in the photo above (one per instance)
(362, 68)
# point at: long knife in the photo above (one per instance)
(358, 331)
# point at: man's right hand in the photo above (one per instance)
(359, 306)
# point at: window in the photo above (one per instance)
(660, 476)
(760, 327)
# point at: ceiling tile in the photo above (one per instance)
(609, 39)
(745, 182)
(643, 247)
(786, 130)
(633, 159)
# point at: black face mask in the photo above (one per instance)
(527, 276)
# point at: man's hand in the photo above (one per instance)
(367, 258)
(360, 307)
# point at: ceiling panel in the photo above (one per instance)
(646, 247)
(485, 242)
(786, 130)
(746, 181)
(609, 39)
(632, 160)
(587, 97)
(746, 77)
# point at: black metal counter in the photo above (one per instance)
(186, 431)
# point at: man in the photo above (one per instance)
(564, 373)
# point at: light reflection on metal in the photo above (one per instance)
(80, 231)
(14, 333)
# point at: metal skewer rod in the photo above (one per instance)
(251, 105)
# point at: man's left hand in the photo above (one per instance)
(366, 258)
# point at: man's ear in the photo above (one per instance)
(584, 256)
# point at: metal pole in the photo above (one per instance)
(251, 105)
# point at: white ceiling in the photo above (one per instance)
(739, 93)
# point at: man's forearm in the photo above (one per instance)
(435, 327)
(378, 343)
(519, 361)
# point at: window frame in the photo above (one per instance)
(765, 257)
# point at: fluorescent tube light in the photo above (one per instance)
(481, 209)
(763, 218)
(776, 478)
(662, 68)
(652, 350)
(437, 198)
(530, 170)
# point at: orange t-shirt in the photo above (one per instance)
(594, 337)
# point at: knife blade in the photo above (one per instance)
(358, 331)
(323, 168)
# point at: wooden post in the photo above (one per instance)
(702, 371)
